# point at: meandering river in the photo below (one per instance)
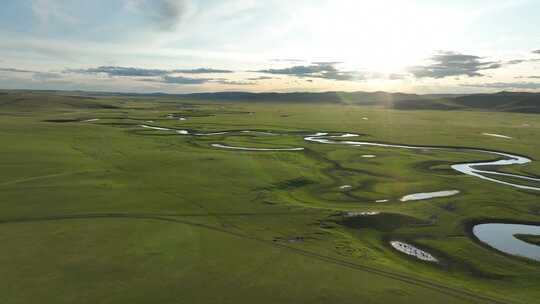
(497, 235)
(475, 169)
(472, 169)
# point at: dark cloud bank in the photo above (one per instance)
(324, 70)
(15, 70)
(164, 15)
(162, 76)
(506, 85)
(447, 64)
(443, 64)
(142, 72)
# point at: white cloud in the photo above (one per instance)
(48, 11)
(165, 15)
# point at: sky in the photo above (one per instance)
(182, 46)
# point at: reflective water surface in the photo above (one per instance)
(501, 237)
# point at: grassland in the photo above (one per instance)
(104, 211)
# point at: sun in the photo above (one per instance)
(383, 36)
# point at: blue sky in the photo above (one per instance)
(275, 45)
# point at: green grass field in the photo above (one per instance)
(105, 211)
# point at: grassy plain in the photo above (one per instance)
(105, 211)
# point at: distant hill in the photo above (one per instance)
(503, 101)
(32, 100)
(364, 98)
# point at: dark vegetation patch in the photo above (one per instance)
(293, 183)
(435, 166)
(423, 105)
(62, 120)
(193, 112)
(529, 238)
(291, 239)
(385, 222)
(186, 106)
(82, 97)
(450, 207)
(10, 102)
(535, 210)
(364, 186)
(93, 106)
(156, 133)
(118, 124)
(190, 113)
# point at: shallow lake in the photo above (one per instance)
(501, 237)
